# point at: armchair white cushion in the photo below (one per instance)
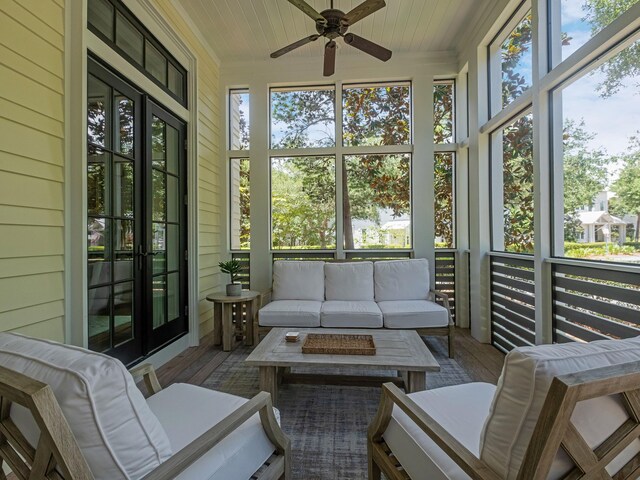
(298, 280)
(118, 434)
(349, 281)
(401, 280)
(239, 455)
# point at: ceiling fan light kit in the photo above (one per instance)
(333, 23)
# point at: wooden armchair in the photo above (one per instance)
(586, 426)
(40, 440)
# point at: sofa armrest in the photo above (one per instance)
(438, 295)
(265, 297)
(148, 375)
(392, 395)
(261, 403)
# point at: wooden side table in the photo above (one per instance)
(223, 316)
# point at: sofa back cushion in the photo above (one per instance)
(116, 431)
(521, 392)
(401, 280)
(298, 280)
(348, 281)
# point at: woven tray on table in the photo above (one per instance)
(339, 344)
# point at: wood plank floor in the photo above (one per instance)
(482, 362)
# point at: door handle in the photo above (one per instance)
(141, 254)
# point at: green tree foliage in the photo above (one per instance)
(585, 174)
(443, 201)
(443, 163)
(303, 202)
(625, 65)
(627, 186)
(517, 180)
(517, 45)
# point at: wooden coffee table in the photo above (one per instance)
(399, 350)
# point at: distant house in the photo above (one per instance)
(599, 225)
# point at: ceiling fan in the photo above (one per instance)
(333, 23)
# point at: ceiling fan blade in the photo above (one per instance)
(363, 10)
(329, 59)
(294, 45)
(368, 46)
(309, 10)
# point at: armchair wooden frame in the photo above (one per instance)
(553, 430)
(58, 457)
(434, 296)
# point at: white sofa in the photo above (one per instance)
(87, 409)
(390, 294)
(503, 431)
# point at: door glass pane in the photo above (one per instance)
(98, 247)
(159, 301)
(99, 318)
(98, 112)
(155, 63)
(100, 16)
(159, 247)
(123, 188)
(122, 313)
(173, 199)
(123, 239)
(129, 39)
(159, 196)
(173, 247)
(172, 150)
(176, 81)
(173, 296)
(124, 121)
(158, 143)
(97, 181)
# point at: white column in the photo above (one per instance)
(422, 170)
(260, 255)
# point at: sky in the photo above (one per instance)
(614, 119)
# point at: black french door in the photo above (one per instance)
(136, 219)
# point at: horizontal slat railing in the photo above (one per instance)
(445, 280)
(374, 256)
(512, 302)
(594, 303)
(245, 274)
(306, 255)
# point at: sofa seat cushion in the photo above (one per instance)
(290, 313)
(413, 314)
(187, 411)
(460, 409)
(522, 389)
(401, 280)
(298, 280)
(116, 431)
(348, 281)
(352, 314)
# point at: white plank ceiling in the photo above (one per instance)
(249, 30)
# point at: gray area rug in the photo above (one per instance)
(327, 424)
